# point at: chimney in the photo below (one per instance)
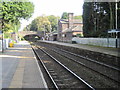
(70, 19)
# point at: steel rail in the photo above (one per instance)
(106, 65)
(46, 69)
(94, 61)
(89, 60)
(78, 77)
(87, 66)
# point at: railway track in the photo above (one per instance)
(109, 72)
(60, 75)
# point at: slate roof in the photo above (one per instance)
(73, 28)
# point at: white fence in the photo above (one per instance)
(105, 42)
(5, 44)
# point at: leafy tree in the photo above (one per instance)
(64, 15)
(53, 21)
(43, 23)
(118, 11)
(40, 23)
(98, 17)
(27, 28)
(13, 11)
(34, 25)
(88, 24)
(47, 23)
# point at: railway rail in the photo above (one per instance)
(61, 76)
(108, 71)
(105, 70)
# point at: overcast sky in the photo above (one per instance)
(54, 7)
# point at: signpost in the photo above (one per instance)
(116, 31)
(116, 8)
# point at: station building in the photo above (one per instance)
(69, 28)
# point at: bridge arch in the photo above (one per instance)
(32, 37)
(30, 34)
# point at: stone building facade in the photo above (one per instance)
(69, 28)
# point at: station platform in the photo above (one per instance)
(20, 68)
(104, 50)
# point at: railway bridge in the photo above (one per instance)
(30, 35)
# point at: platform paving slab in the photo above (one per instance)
(20, 68)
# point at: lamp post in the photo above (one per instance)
(2, 42)
(116, 23)
(50, 32)
(44, 32)
(2, 35)
(116, 13)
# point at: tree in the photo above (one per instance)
(43, 23)
(13, 11)
(88, 23)
(98, 18)
(40, 23)
(53, 21)
(27, 28)
(64, 15)
(34, 25)
(118, 11)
